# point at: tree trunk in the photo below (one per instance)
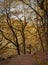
(18, 50)
(40, 37)
(46, 21)
(23, 37)
(47, 28)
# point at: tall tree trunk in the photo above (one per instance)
(46, 22)
(40, 39)
(40, 36)
(23, 37)
(15, 35)
(47, 28)
(18, 50)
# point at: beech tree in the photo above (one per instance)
(8, 21)
(44, 7)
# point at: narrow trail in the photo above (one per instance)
(27, 59)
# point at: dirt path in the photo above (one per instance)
(27, 60)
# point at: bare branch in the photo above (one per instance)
(4, 45)
(7, 38)
(33, 10)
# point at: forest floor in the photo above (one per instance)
(40, 58)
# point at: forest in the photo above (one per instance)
(24, 32)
